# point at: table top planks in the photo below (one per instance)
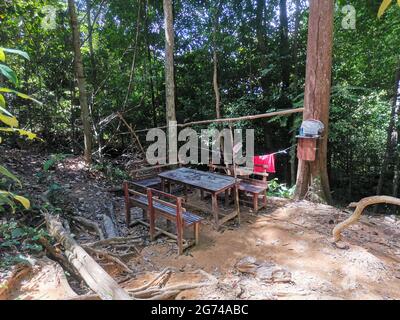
(208, 181)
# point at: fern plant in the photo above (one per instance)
(10, 124)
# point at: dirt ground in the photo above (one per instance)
(294, 238)
(285, 252)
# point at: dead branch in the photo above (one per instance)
(254, 117)
(90, 224)
(108, 256)
(117, 240)
(360, 207)
(94, 275)
(162, 274)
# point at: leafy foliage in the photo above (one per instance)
(281, 190)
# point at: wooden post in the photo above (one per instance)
(214, 205)
(179, 225)
(127, 204)
(196, 232)
(151, 214)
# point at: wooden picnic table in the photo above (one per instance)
(208, 182)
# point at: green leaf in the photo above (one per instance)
(19, 94)
(24, 201)
(385, 4)
(17, 233)
(5, 111)
(29, 134)
(15, 51)
(10, 121)
(2, 102)
(2, 55)
(8, 73)
(5, 198)
(8, 174)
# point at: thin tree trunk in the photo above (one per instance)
(215, 60)
(133, 65)
(392, 139)
(170, 77)
(261, 41)
(317, 96)
(151, 73)
(81, 82)
(284, 47)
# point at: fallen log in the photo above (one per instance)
(90, 224)
(360, 207)
(18, 273)
(94, 275)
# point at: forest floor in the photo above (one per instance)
(285, 252)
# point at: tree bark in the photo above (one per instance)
(151, 73)
(284, 46)
(170, 76)
(317, 96)
(79, 70)
(217, 10)
(133, 65)
(261, 41)
(296, 76)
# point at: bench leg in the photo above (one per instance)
(255, 202)
(196, 233)
(215, 210)
(265, 199)
(152, 224)
(226, 198)
(127, 205)
(179, 229)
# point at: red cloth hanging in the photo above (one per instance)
(268, 159)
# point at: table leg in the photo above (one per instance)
(255, 202)
(226, 198)
(237, 207)
(162, 185)
(215, 210)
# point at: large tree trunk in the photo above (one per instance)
(296, 75)
(317, 96)
(170, 77)
(81, 81)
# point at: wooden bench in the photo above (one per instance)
(250, 188)
(253, 189)
(155, 207)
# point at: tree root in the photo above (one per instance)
(108, 256)
(360, 207)
(115, 241)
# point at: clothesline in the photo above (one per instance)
(284, 151)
